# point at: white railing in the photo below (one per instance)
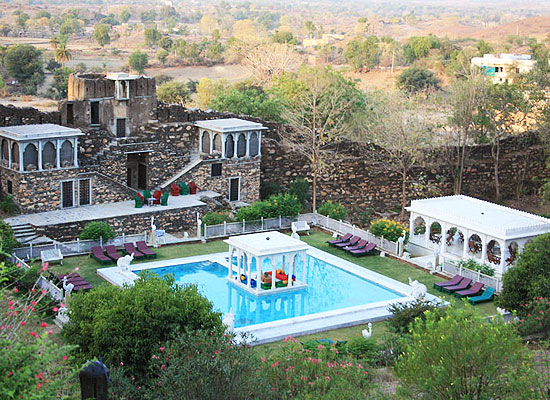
(261, 225)
(75, 247)
(491, 281)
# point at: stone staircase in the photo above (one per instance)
(194, 161)
(25, 234)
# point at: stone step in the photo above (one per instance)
(23, 232)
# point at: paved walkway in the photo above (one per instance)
(108, 210)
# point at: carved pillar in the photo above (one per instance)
(247, 144)
(39, 166)
(75, 154)
(58, 153)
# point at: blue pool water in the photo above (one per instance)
(329, 288)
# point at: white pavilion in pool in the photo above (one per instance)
(281, 250)
(462, 227)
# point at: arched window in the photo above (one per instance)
(241, 146)
(419, 226)
(217, 143)
(435, 232)
(229, 146)
(66, 156)
(475, 245)
(494, 252)
(5, 149)
(254, 144)
(205, 142)
(49, 156)
(30, 158)
(15, 155)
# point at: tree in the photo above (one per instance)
(465, 99)
(125, 14)
(24, 63)
(7, 238)
(152, 36)
(62, 54)
(462, 356)
(207, 89)
(138, 61)
(283, 37)
(503, 113)
(483, 48)
(269, 61)
(148, 16)
(417, 79)
(419, 47)
(310, 28)
(248, 99)
(126, 326)
(173, 92)
(402, 126)
(362, 53)
(101, 34)
(529, 278)
(54, 42)
(61, 82)
(320, 106)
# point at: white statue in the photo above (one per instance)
(436, 255)
(68, 288)
(367, 333)
(401, 244)
(294, 234)
(418, 289)
(123, 263)
(229, 320)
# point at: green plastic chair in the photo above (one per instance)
(147, 195)
(164, 199)
(138, 201)
(184, 188)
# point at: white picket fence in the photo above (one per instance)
(491, 281)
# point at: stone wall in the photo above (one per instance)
(170, 220)
(10, 115)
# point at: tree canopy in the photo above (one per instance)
(101, 34)
(416, 79)
(24, 63)
(173, 92)
(138, 61)
(361, 52)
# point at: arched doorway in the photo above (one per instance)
(30, 158)
(454, 241)
(494, 252)
(435, 232)
(475, 246)
(419, 226)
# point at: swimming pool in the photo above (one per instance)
(329, 288)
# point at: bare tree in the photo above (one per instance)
(323, 108)
(267, 61)
(465, 99)
(403, 127)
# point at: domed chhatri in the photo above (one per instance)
(274, 250)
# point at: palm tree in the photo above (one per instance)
(54, 42)
(62, 54)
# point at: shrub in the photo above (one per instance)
(268, 189)
(333, 210)
(405, 314)
(7, 238)
(96, 230)
(475, 266)
(252, 212)
(529, 278)
(217, 217)
(463, 356)
(198, 365)
(294, 372)
(534, 317)
(285, 205)
(388, 229)
(7, 206)
(364, 349)
(300, 188)
(128, 325)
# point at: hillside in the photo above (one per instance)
(534, 26)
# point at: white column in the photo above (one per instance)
(75, 155)
(259, 261)
(248, 144)
(428, 224)
(39, 166)
(249, 274)
(466, 234)
(211, 136)
(224, 146)
(235, 142)
(304, 266)
(503, 248)
(9, 153)
(483, 248)
(57, 154)
(230, 269)
(411, 225)
(200, 140)
(273, 272)
(443, 243)
(259, 143)
(291, 268)
(239, 260)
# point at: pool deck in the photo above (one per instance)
(303, 325)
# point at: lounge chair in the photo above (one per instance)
(345, 238)
(129, 248)
(111, 252)
(97, 253)
(143, 248)
(487, 295)
(164, 199)
(79, 282)
(352, 242)
(360, 245)
(367, 250)
(476, 288)
(464, 283)
(456, 279)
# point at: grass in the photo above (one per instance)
(392, 268)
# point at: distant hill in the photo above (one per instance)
(534, 26)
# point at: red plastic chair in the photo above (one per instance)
(157, 195)
(192, 188)
(175, 189)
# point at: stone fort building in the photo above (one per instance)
(110, 139)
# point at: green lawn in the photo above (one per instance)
(384, 265)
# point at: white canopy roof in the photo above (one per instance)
(38, 131)
(266, 243)
(229, 125)
(481, 216)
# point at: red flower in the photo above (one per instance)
(34, 303)
(43, 325)
(65, 358)
(162, 349)
(10, 303)
(22, 323)
(15, 290)
(33, 333)
(55, 309)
